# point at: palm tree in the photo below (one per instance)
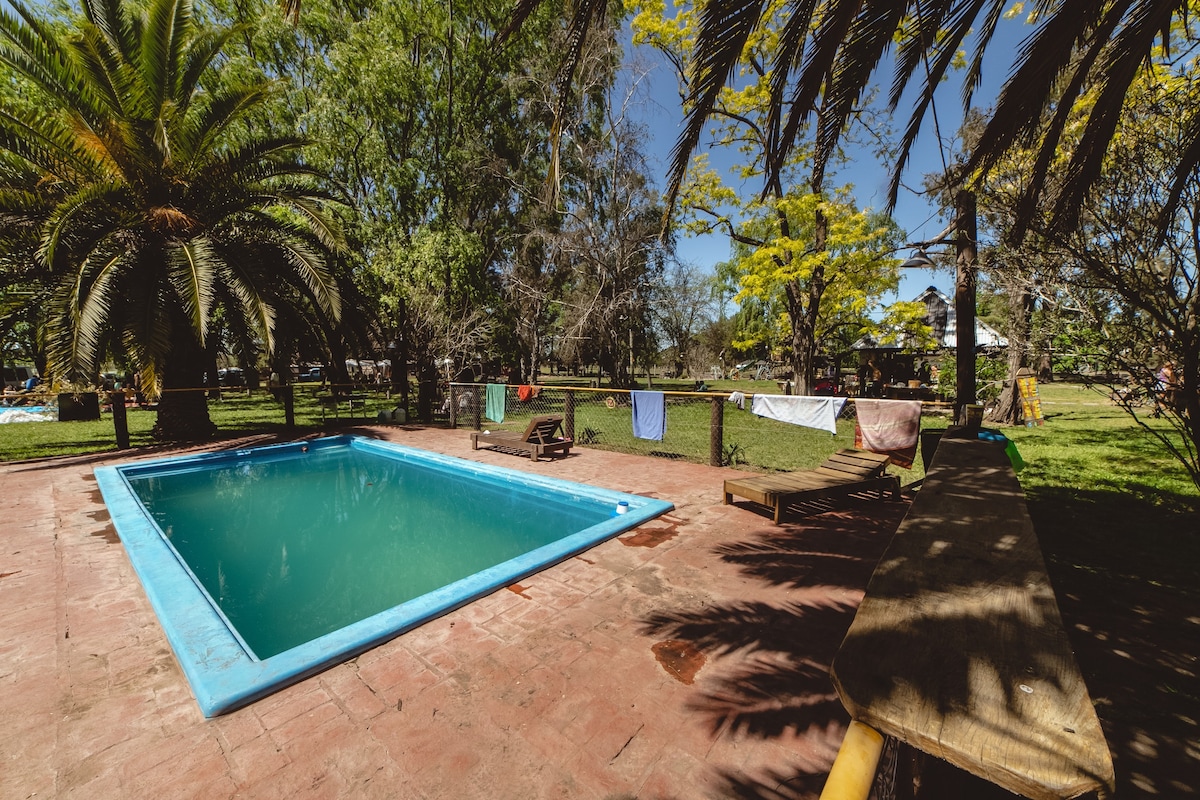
(830, 51)
(149, 201)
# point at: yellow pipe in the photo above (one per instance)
(853, 770)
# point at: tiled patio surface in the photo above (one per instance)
(685, 659)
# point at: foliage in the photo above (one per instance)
(823, 58)
(813, 262)
(149, 202)
(732, 454)
(1121, 291)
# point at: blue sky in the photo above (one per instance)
(659, 109)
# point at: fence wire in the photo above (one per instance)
(603, 419)
(701, 427)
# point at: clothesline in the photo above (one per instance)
(677, 393)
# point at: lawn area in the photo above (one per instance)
(235, 414)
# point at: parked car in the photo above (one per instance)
(232, 376)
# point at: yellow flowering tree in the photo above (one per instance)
(803, 249)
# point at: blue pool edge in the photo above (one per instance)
(222, 675)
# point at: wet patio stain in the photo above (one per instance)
(518, 589)
(680, 659)
(652, 537)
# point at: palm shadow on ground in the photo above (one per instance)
(1126, 575)
(784, 688)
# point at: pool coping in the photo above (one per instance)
(222, 674)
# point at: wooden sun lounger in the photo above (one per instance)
(540, 437)
(846, 472)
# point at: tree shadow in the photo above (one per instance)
(780, 683)
(1127, 576)
(1126, 579)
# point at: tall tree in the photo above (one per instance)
(821, 258)
(1131, 267)
(611, 233)
(152, 205)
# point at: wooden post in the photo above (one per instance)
(453, 406)
(120, 421)
(964, 301)
(569, 414)
(853, 770)
(716, 431)
(289, 407)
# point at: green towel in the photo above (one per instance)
(1014, 456)
(494, 408)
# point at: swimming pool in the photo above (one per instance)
(14, 414)
(269, 564)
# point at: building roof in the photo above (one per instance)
(942, 318)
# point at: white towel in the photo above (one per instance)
(738, 399)
(811, 412)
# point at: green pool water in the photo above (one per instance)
(292, 548)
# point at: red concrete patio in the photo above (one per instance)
(686, 659)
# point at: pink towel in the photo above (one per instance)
(890, 427)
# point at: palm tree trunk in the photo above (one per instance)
(183, 407)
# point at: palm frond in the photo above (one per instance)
(587, 12)
(941, 30)
(80, 305)
(67, 221)
(521, 12)
(199, 57)
(868, 36)
(166, 33)
(253, 304)
(1119, 66)
(59, 153)
(789, 55)
(724, 29)
(113, 21)
(32, 50)
(312, 269)
(191, 273)
(205, 127)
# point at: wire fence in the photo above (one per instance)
(704, 427)
(701, 427)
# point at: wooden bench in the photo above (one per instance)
(848, 471)
(958, 647)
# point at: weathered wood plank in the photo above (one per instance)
(776, 491)
(958, 647)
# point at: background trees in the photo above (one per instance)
(797, 244)
(1119, 289)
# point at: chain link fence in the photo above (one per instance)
(702, 427)
(705, 427)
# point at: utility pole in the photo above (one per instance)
(964, 300)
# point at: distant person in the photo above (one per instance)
(1166, 389)
(31, 382)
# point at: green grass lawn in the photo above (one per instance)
(235, 414)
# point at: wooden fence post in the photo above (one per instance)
(453, 406)
(120, 421)
(569, 414)
(289, 407)
(716, 431)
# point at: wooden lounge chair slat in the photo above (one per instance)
(845, 472)
(540, 437)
